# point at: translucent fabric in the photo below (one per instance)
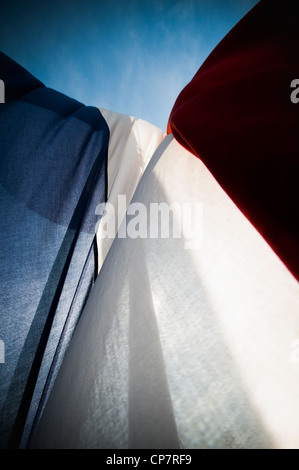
(132, 143)
(185, 341)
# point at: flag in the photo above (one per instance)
(120, 330)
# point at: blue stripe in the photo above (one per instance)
(53, 173)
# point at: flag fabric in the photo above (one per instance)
(53, 173)
(118, 339)
(132, 143)
(237, 115)
(184, 342)
(60, 161)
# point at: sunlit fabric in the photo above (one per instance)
(52, 174)
(191, 347)
(188, 340)
(132, 143)
(237, 116)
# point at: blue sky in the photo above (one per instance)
(129, 56)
